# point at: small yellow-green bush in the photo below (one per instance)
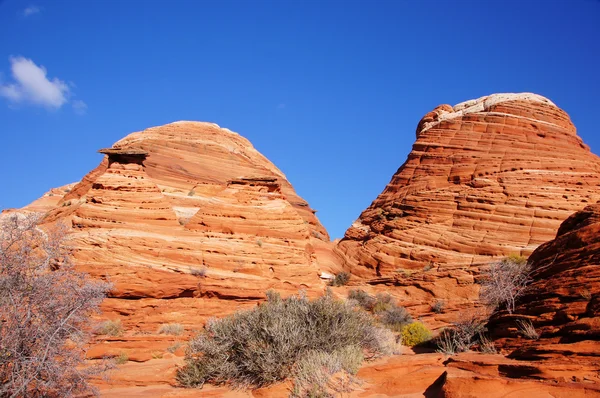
(414, 334)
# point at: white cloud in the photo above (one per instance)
(31, 10)
(79, 107)
(31, 85)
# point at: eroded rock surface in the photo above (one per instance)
(187, 221)
(191, 209)
(563, 301)
(486, 178)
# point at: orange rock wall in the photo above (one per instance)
(563, 300)
(486, 178)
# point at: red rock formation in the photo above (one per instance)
(486, 178)
(179, 217)
(197, 201)
(563, 301)
(50, 199)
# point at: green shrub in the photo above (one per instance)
(363, 299)
(170, 328)
(261, 346)
(414, 334)
(111, 328)
(340, 279)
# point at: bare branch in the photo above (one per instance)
(44, 311)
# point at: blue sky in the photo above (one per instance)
(330, 91)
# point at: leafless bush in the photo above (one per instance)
(44, 312)
(504, 282)
(527, 329)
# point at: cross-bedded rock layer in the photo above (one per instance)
(190, 212)
(563, 301)
(486, 178)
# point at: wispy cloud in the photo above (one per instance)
(31, 85)
(79, 107)
(31, 10)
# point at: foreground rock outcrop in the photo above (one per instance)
(486, 178)
(563, 301)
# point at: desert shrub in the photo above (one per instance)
(261, 346)
(445, 342)
(171, 328)
(504, 282)
(198, 271)
(111, 328)
(323, 374)
(438, 306)
(364, 299)
(461, 336)
(45, 308)
(174, 347)
(383, 302)
(396, 318)
(585, 294)
(340, 279)
(527, 329)
(123, 358)
(486, 345)
(414, 334)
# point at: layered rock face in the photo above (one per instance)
(188, 212)
(485, 178)
(563, 301)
